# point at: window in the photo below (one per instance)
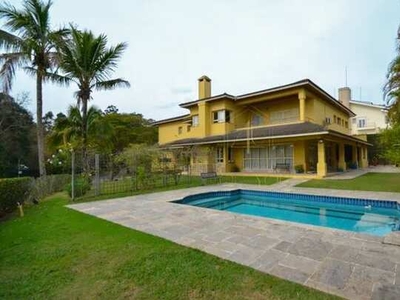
(267, 158)
(219, 155)
(188, 128)
(221, 116)
(334, 119)
(327, 120)
(195, 121)
(339, 120)
(230, 154)
(284, 116)
(257, 120)
(361, 123)
(180, 130)
(346, 124)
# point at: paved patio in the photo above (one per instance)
(351, 265)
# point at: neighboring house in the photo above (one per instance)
(370, 118)
(273, 130)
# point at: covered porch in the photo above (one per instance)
(297, 157)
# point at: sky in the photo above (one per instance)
(242, 45)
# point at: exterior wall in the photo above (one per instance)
(315, 110)
(374, 117)
(299, 153)
(244, 113)
(169, 132)
(322, 110)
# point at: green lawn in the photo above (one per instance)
(380, 182)
(54, 252)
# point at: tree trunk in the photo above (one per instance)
(84, 135)
(39, 120)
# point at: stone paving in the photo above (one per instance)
(351, 265)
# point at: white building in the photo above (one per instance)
(370, 118)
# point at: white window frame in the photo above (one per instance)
(221, 116)
(219, 155)
(195, 120)
(361, 122)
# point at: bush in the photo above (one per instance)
(299, 169)
(235, 168)
(50, 184)
(352, 165)
(12, 191)
(81, 187)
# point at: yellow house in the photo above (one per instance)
(294, 128)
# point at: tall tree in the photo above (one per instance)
(29, 44)
(392, 87)
(16, 138)
(67, 130)
(86, 60)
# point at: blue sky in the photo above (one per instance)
(243, 46)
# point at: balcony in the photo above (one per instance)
(366, 126)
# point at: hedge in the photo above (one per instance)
(48, 185)
(12, 191)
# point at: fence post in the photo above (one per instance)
(73, 175)
(97, 174)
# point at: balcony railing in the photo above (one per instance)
(365, 126)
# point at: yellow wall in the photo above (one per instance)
(316, 110)
(321, 110)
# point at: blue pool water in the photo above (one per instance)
(365, 216)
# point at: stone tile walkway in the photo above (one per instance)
(351, 265)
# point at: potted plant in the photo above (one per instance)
(299, 169)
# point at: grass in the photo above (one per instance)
(58, 253)
(379, 182)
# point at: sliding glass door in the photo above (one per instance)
(266, 158)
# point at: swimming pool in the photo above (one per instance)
(375, 217)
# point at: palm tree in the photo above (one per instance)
(29, 44)
(67, 130)
(392, 87)
(86, 60)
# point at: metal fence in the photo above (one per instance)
(128, 173)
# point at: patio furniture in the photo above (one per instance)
(282, 166)
(210, 175)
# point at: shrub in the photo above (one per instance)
(352, 165)
(12, 191)
(299, 169)
(50, 184)
(235, 168)
(81, 187)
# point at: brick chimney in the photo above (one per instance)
(204, 87)
(345, 96)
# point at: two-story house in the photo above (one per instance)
(277, 130)
(370, 118)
